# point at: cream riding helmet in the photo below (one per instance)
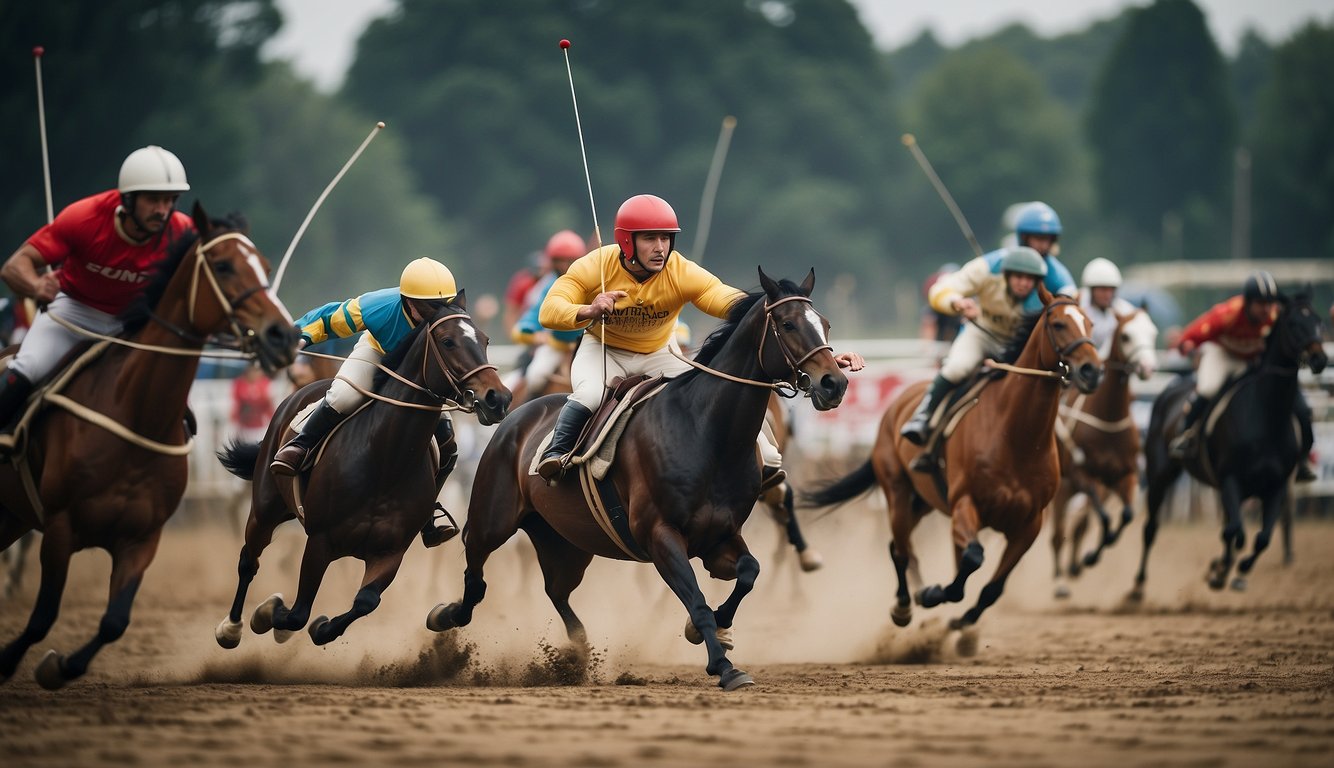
(427, 279)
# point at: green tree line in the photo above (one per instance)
(1131, 128)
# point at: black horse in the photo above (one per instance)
(1251, 451)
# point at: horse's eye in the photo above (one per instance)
(449, 344)
(1125, 337)
(224, 268)
(788, 326)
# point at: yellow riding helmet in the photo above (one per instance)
(427, 279)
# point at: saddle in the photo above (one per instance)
(596, 445)
(945, 419)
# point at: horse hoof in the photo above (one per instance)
(439, 620)
(693, 634)
(261, 620)
(734, 679)
(281, 636)
(724, 636)
(1091, 559)
(228, 634)
(49, 673)
(810, 560)
(1076, 569)
(968, 641)
(1136, 595)
(930, 597)
(1062, 592)
(315, 627)
(901, 615)
(1239, 584)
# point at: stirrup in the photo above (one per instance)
(286, 468)
(551, 468)
(434, 535)
(771, 477)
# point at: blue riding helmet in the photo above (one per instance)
(1037, 219)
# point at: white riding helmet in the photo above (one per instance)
(1100, 273)
(152, 169)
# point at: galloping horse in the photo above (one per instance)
(1251, 450)
(1099, 445)
(685, 471)
(1001, 467)
(372, 490)
(110, 464)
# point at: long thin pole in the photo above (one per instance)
(711, 188)
(910, 142)
(588, 179)
(37, 52)
(282, 267)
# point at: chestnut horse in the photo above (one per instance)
(373, 488)
(114, 482)
(686, 473)
(1001, 467)
(1253, 449)
(1099, 445)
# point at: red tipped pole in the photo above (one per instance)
(37, 52)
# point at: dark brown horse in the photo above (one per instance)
(1001, 467)
(115, 489)
(686, 472)
(373, 489)
(1099, 445)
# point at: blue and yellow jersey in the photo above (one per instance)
(380, 313)
(529, 325)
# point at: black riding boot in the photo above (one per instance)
(569, 424)
(1187, 439)
(1302, 410)
(14, 391)
(434, 535)
(291, 458)
(917, 430)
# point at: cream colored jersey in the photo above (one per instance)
(1000, 312)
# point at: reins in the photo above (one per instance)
(1063, 373)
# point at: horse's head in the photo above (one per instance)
(1134, 344)
(1069, 350)
(461, 371)
(803, 350)
(229, 292)
(1297, 332)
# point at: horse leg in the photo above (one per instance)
(1234, 538)
(128, 564)
(563, 566)
(811, 560)
(1057, 510)
(967, 553)
(379, 575)
(1125, 491)
(731, 560)
(1015, 547)
(16, 537)
(314, 562)
(479, 541)
(1097, 496)
(1162, 472)
(1077, 539)
(669, 551)
(258, 536)
(903, 518)
(57, 547)
(1273, 507)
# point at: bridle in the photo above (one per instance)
(246, 338)
(1130, 364)
(465, 399)
(1063, 370)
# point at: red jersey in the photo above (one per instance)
(252, 407)
(520, 284)
(101, 268)
(1229, 325)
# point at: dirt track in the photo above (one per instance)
(1192, 678)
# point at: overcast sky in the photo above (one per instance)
(319, 35)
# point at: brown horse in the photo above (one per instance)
(1099, 445)
(113, 484)
(685, 474)
(1001, 467)
(373, 488)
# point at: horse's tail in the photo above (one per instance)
(859, 481)
(239, 458)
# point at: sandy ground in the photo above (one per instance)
(1190, 678)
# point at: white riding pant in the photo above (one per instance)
(589, 381)
(1217, 365)
(359, 368)
(966, 354)
(48, 341)
(546, 359)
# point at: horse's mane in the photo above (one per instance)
(137, 314)
(1016, 346)
(394, 357)
(709, 349)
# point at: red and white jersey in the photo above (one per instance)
(100, 266)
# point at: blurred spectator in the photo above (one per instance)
(252, 404)
(520, 285)
(937, 326)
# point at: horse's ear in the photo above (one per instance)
(767, 283)
(460, 300)
(202, 222)
(1043, 293)
(808, 284)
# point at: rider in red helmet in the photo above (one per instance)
(647, 284)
